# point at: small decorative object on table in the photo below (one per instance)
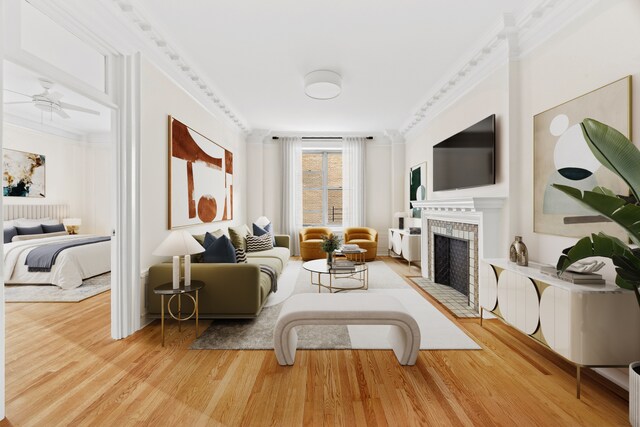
(518, 252)
(72, 225)
(401, 216)
(329, 245)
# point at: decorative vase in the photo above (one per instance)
(518, 252)
(634, 394)
(330, 257)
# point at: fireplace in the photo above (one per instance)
(451, 263)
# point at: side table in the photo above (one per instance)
(167, 289)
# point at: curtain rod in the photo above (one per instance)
(322, 137)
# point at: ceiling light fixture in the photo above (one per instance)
(322, 84)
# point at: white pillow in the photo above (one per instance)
(23, 222)
(46, 221)
(10, 223)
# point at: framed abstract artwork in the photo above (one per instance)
(417, 187)
(24, 174)
(200, 178)
(562, 156)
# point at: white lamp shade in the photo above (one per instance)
(262, 221)
(73, 222)
(178, 243)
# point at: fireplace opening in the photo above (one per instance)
(451, 262)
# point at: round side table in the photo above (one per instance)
(167, 289)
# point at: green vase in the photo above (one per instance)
(330, 257)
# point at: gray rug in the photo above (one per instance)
(257, 334)
(50, 293)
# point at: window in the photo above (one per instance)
(322, 188)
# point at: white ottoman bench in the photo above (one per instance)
(346, 309)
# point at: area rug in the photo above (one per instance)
(438, 332)
(50, 293)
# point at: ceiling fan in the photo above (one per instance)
(50, 101)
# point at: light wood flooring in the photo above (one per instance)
(64, 369)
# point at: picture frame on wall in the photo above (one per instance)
(417, 187)
(24, 174)
(200, 178)
(562, 156)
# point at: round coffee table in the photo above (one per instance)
(168, 289)
(356, 255)
(320, 269)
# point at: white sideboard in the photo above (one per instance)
(584, 324)
(404, 244)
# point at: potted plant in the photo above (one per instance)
(330, 244)
(619, 155)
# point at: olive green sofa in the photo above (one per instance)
(230, 290)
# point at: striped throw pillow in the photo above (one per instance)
(241, 256)
(259, 243)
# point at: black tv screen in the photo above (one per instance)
(467, 159)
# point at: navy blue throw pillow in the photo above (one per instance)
(218, 250)
(29, 230)
(9, 233)
(259, 231)
(53, 228)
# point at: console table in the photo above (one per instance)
(582, 323)
(404, 245)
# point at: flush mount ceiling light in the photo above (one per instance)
(322, 84)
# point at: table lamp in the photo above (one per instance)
(72, 225)
(176, 244)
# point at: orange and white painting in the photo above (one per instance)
(200, 178)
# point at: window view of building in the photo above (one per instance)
(322, 188)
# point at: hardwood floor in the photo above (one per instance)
(64, 369)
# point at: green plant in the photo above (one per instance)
(619, 155)
(331, 243)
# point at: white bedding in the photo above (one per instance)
(71, 267)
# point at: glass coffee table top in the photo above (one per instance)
(320, 266)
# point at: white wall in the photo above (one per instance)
(160, 97)
(77, 173)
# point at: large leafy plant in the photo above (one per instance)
(619, 155)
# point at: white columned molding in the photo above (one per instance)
(255, 173)
(125, 295)
(3, 24)
(398, 169)
(485, 212)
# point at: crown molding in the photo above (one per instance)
(35, 126)
(510, 39)
(156, 39)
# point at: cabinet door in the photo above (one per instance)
(555, 319)
(488, 287)
(397, 243)
(518, 300)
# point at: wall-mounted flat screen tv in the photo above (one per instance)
(467, 159)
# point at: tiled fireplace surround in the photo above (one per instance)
(468, 219)
(460, 231)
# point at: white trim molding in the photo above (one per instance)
(511, 39)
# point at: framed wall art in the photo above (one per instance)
(24, 174)
(561, 156)
(417, 187)
(200, 178)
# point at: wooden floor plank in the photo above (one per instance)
(63, 369)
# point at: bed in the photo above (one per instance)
(71, 266)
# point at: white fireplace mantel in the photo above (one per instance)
(485, 212)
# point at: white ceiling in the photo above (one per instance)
(389, 53)
(22, 80)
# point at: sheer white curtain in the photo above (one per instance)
(353, 161)
(291, 212)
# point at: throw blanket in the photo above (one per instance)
(42, 258)
(272, 275)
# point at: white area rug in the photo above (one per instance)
(50, 293)
(438, 332)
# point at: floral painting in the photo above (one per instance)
(200, 178)
(24, 174)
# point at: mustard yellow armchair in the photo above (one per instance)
(311, 242)
(365, 237)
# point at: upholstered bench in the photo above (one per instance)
(346, 309)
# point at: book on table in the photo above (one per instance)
(575, 278)
(342, 266)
